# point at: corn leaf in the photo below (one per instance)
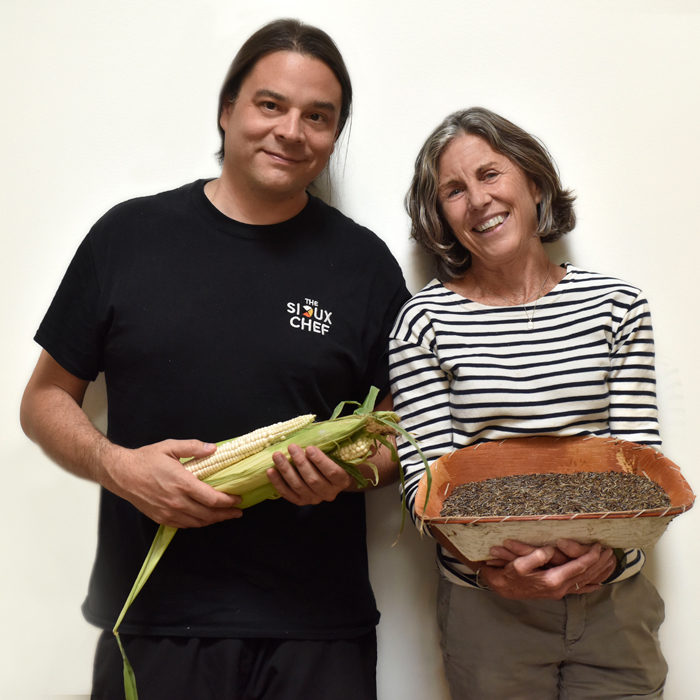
(130, 691)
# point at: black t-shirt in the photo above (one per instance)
(208, 328)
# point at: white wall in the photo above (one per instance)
(104, 100)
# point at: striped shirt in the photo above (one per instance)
(464, 373)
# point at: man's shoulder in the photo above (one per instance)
(354, 249)
(148, 205)
(145, 218)
(343, 227)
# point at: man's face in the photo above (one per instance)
(281, 129)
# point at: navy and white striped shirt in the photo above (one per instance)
(464, 373)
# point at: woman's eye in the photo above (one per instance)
(448, 194)
(490, 175)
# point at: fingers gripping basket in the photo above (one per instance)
(472, 538)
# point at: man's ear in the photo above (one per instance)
(226, 112)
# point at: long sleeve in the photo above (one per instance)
(632, 380)
(421, 391)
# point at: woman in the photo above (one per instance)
(505, 343)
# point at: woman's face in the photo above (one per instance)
(488, 201)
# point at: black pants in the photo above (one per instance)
(183, 668)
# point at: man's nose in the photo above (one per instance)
(290, 126)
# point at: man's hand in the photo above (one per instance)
(521, 571)
(153, 479)
(309, 477)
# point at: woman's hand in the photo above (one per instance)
(521, 571)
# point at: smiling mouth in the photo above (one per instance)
(490, 224)
(281, 158)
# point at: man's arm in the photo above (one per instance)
(312, 476)
(151, 477)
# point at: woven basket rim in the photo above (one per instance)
(646, 513)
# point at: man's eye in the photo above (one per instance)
(269, 106)
(317, 117)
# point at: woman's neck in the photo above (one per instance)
(512, 285)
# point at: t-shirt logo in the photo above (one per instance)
(309, 316)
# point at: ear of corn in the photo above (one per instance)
(354, 451)
(231, 451)
(239, 466)
(328, 436)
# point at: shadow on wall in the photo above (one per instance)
(559, 251)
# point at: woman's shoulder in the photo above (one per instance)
(434, 295)
(419, 311)
(581, 279)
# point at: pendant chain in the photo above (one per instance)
(530, 315)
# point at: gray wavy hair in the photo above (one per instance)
(429, 228)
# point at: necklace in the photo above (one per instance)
(530, 315)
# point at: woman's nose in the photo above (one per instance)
(479, 196)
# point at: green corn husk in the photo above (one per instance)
(248, 479)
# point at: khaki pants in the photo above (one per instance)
(596, 646)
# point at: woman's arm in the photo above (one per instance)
(632, 377)
(421, 391)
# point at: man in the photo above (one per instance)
(214, 309)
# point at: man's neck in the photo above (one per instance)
(252, 209)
